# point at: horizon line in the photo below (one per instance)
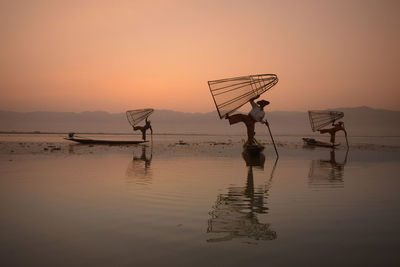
(188, 112)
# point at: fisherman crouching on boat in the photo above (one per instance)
(256, 115)
(332, 131)
(144, 128)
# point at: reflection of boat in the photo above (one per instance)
(327, 173)
(254, 159)
(235, 213)
(254, 149)
(103, 142)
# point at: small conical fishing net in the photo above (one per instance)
(322, 118)
(136, 116)
(230, 94)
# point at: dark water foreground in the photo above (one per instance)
(198, 204)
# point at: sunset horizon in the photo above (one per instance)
(59, 56)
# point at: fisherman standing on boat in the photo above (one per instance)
(332, 131)
(144, 128)
(256, 115)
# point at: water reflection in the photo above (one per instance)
(234, 214)
(139, 170)
(327, 173)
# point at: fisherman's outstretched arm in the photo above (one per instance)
(252, 103)
(254, 98)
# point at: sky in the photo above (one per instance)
(120, 55)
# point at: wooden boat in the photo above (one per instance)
(313, 142)
(103, 142)
(255, 148)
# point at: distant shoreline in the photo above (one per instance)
(187, 134)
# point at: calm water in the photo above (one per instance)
(168, 204)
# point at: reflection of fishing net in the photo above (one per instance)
(136, 116)
(230, 94)
(234, 216)
(322, 118)
(326, 174)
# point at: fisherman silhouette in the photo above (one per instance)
(144, 128)
(255, 115)
(332, 131)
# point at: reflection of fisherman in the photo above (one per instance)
(235, 213)
(144, 128)
(336, 167)
(256, 115)
(143, 157)
(327, 173)
(332, 131)
(139, 169)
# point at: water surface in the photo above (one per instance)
(198, 204)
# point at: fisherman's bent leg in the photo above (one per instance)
(250, 131)
(144, 134)
(248, 121)
(237, 118)
(333, 135)
(135, 128)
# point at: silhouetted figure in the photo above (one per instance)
(144, 128)
(255, 115)
(332, 131)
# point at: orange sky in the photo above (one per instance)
(119, 55)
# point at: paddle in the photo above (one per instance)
(272, 138)
(347, 142)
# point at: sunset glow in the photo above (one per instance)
(114, 56)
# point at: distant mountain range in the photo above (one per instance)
(360, 121)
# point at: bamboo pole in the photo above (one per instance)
(272, 138)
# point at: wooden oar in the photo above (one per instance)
(272, 138)
(347, 142)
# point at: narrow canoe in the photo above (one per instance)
(313, 142)
(104, 142)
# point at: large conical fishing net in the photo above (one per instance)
(230, 94)
(136, 116)
(322, 118)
